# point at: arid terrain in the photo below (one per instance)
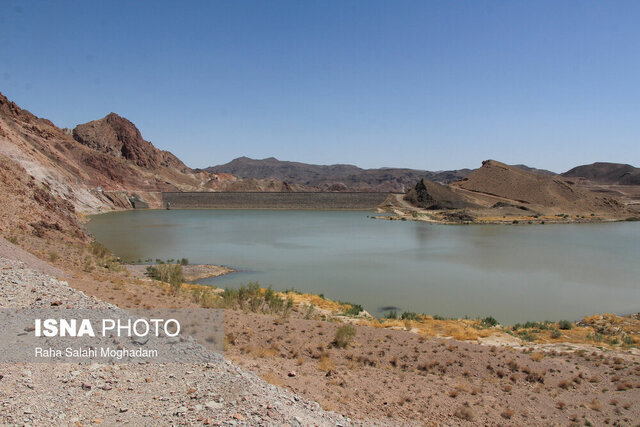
(417, 371)
(412, 370)
(499, 193)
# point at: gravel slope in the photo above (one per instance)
(214, 393)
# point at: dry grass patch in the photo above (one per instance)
(595, 405)
(537, 356)
(464, 413)
(325, 363)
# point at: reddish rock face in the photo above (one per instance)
(118, 137)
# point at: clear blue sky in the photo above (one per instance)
(421, 84)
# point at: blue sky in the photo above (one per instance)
(430, 85)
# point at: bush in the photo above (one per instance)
(354, 310)
(391, 315)
(409, 315)
(168, 273)
(184, 261)
(489, 321)
(565, 325)
(344, 336)
(98, 249)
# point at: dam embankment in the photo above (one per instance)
(273, 200)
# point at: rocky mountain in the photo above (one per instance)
(100, 165)
(339, 177)
(118, 137)
(606, 173)
(509, 184)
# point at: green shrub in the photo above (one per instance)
(354, 310)
(344, 336)
(391, 315)
(184, 261)
(168, 273)
(555, 333)
(565, 325)
(409, 315)
(489, 321)
(527, 335)
(515, 221)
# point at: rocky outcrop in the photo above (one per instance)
(431, 195)
(118, 137)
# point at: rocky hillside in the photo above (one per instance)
(339, 177)
(432, 196)
(546, 193)
(102, 164)
(118, 137)
(606, 173)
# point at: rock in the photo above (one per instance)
(292, 374)
(212, 404)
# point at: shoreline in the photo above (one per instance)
(191, 272)
(295, 349)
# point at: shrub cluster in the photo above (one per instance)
(255, 299)
(344, 336)
(168, 273)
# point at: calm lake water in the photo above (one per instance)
(514, 273)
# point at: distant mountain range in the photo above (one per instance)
(342, 177)
(606, 173)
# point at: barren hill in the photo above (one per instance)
(546, 193)
(338, 177)
(606, 173)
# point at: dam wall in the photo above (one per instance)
(273, 200)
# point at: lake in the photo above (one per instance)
(513, 273)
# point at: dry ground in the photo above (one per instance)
(399, 372)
